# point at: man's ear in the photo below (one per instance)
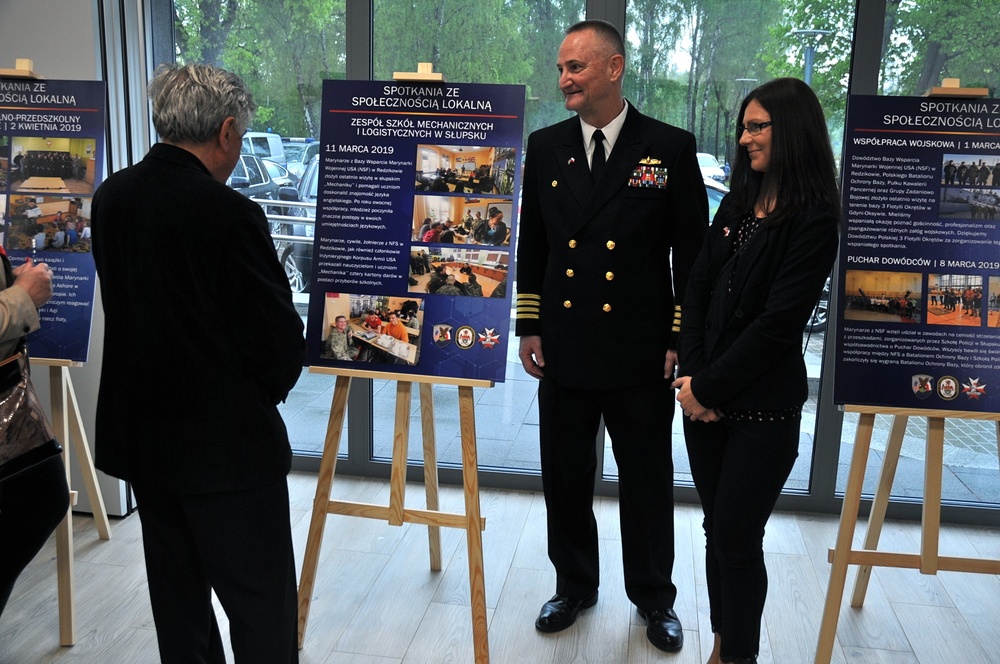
(227, 129)
(617, 64)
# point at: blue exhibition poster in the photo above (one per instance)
(918, 324)
(415, 227)
(51, 162)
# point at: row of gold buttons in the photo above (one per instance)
(610, 244)
(607, 275)
(568, 305)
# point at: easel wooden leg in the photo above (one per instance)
(327, 467)
(430, 471)
(473, 530)
(68, 427)
(931, 519)
(845, 538)
(877, 516)
(400, 443)
(82, 448)
(65, 574)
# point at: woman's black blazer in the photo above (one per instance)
(743, 317)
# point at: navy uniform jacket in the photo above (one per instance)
(201, 341)
(741, 341)
(594, 260)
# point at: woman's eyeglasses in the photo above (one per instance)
(753, 127)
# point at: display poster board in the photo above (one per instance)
(415, 225)
(51, 162)
(918, 325)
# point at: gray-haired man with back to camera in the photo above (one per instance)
(187, 408)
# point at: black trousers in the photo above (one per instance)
(638, 420)
(739, 469)
(238, 544)
(31, 506)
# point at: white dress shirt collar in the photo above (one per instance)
(611, 131)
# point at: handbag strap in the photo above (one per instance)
(12, 358)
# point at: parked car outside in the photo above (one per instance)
(263, 144)
(821, 312)
(716, 192)
(296, 257)
(298, 153)
(710, 167)
(250, 178)
(281, 176)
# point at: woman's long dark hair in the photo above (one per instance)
(801, 170)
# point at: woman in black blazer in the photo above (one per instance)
(742, 379)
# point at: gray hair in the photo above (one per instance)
(190, 102)
(605, 31)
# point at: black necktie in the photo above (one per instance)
(598, 160)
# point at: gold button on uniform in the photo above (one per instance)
(567, 304)
(606, 307)
(611, 245)
(572, 244)
(570, 273)
(554, 183)
(609, 275)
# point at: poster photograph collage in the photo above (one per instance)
(460, 236)
(969, 194)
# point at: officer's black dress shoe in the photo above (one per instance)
(663, 629)
(560, 612)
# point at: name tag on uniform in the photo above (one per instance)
(649, 176)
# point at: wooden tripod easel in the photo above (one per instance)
(68, 427)
(396, 513)
(927, 561)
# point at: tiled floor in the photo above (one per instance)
(376, 602)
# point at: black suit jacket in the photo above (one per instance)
(741, 338)
(594, 259)
(201, 338)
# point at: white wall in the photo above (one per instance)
(61, 37)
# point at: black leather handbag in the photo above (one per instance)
(26, 438)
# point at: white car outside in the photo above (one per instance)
(710, 167)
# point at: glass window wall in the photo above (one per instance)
(689, 64)
(491, 42)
